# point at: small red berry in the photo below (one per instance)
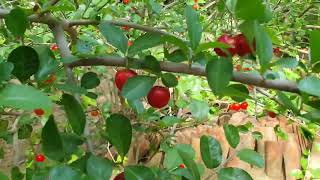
(195, 6)
(126, 1)
(120, 176)
(94, 113)
(247, 69)
(277, 52)
(238, 67)
(244, 105)
(158, 96)
(39, 112)
(272, 114)
(129, 43)
(122, 76)
(229, 40)
(250, 87)
(182, 166)
(126, 28)
(40, 158)
(51, 79)
(235, 107)
(54, 47)
(242, 45)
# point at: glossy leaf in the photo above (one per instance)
(232, 135)
(99, 168)
(119, 133)
(176, 56)
(114, 36)
(287, 102)
(90, 80)
(233, 174)
(194, 27)
(51, 140)
(252, 157)
(178, 43)
(70, 143)
(211, 45)
(151, 64)
(169, 80)
(310, 85)
(211, 152)
(143, 42)
(48, 63)
(23, 97)
(173, 160)
(190, 164)
(154, 6)
(26, 62)
(219, 73)
(313, 116)
(199, 109)
(315, 46)
(251, 10)
(64, 173)
(75, 114)
(138, 173)
(238, 92)
(5, 71)
(17, 22)
(137, 87)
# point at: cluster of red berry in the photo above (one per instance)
(158, 96)
(238, 45)
(126, 2)
(238, 106)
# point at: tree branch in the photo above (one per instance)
(245, 78)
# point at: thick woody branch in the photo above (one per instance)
(245, 78)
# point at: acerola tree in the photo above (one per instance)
(248, 52)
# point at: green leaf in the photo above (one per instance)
(233, 174)
(190, 164)
(287, 102)
(3, 125)
(238, 92)
(199, 109)
(75, 114)
(232, 135)
(48, 63)
(16, 174)
(3, 176)
(154, 6)
(138, 173)
(1, 156)
(17, 22)
(288, 62)
(23, 97)
(114, 36)
(5, 71)
(280, 133)
(172, 159)
(98, 168)
(136, 105)
(252, 157)
(176, 56)
(310, 85)
(51, 140)
(119, 133)
(219, 73)
(211, 45)
(151, 64)
(211, 151)
(26, 62)
(143, 42)
(313, 116)
(252, 10)
(194, 26)
(90, 80)
(257, 135)
(137, 87)
(263, 46)
(178, 43)
(71, 88)
(64, 173)
(168, 121)
(70, 143)
(24, 132)
(169, 80)
(315, 46)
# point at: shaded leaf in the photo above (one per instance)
(114, 36)
(169, 80)
(252, 157)
(90, 80)
(143, 42)
(64, 173)
(232, 135)
(194, 26)
(137, 87)
(138, 173)
(98, 168)
(17, 22)
(5, 71)
(211, 152)
(233, 174)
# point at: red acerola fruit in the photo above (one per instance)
(277, 52)
(247, 69)
(244, 105)
(229, 40)
(51, 79)
(235, 107)
(182, 166)
(129, 43)
(238, 67)
(40, 158)
(126, 1)
(94, 113)
(126, 28)
(122, 76)
(195, 6)
(158, 96)
(195, 1)
(272, 114)
(242, 45)
(120, 176)
(39, 112)
(54, 47)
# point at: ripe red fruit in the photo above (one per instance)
(158, 96)
(182, 166)
(195, 6)
(242, 46)
(54, 47)
(94, 113)
(129, 43)
(195, 1)
(38, 112)
(126, 1)
(277, 52)
(229, 40)
(238, 67)
(120, 176)
(247, 69)
(51, 79)
(244, 105)
(40, 158)
(126, 28)
(235, 107)
(122, 76)
(272, 114)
